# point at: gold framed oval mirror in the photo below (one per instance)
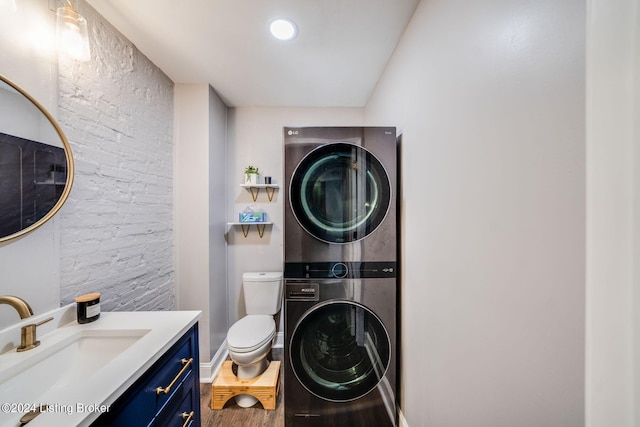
(36, 164)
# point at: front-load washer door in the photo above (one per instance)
(339, 350)
(340, 193)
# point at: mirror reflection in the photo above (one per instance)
(36, 166)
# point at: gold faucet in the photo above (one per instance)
(21, 306)
(27, 333)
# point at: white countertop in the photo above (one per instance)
(80, 404)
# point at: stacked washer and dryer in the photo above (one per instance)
(340, 253)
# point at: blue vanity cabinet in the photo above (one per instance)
(168, 394)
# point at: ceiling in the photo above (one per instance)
(337, 58)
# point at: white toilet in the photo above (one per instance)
(249, 340)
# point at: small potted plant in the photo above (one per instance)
(251, 175)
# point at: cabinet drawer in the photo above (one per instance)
(178, 366)
(185, 411)
(164, 386)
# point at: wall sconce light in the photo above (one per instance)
(71, 33)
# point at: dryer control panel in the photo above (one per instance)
(339, 270)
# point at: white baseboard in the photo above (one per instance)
(279, 343)
(208, 370)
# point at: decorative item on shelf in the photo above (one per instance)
(251, 175)
(250, 214)
(252, 217)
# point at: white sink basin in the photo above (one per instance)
(79, 370)
(34, 376)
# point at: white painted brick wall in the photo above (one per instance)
(117, 226)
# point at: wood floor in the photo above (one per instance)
(233, 415)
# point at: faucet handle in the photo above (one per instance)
(28, 335)
(42, 322)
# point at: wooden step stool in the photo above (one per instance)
(263, 387)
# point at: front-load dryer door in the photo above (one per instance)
(339, 350)
(340, 193)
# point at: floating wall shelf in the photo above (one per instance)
(246, 226)
(255, 189)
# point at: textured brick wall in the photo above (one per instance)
(117, 227)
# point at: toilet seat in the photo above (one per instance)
(250, 333)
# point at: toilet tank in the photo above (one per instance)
(262, 292)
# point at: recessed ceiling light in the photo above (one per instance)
(283, 29)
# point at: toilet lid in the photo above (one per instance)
(251, 332)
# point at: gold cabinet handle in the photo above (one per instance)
(167, 389)
(187, 417)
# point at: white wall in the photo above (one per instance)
(218, 178)
(613, 213)
(200, 248)
(489, 97)
(28, 60)
(117, 225)
(255, 137)
(191, 193)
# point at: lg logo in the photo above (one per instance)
(292, 132)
